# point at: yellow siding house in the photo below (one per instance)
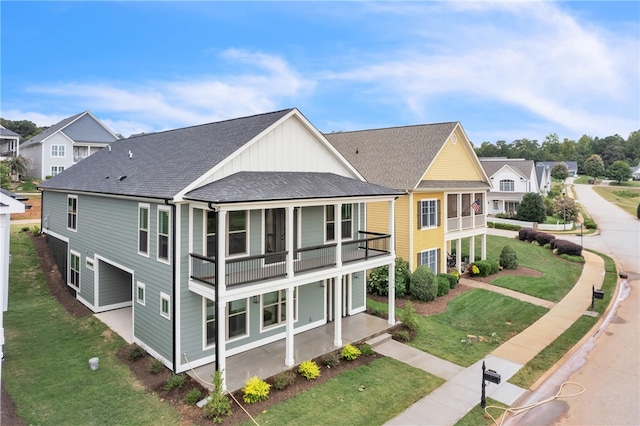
(443, 181)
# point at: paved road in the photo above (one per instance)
(608, 364)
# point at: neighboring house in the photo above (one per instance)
(635, 172)
(10, 203)
(572, 166)
(9, 144)
(543, 178)
(221, 237)
(443, 183)
(511, 178)
(64, 144)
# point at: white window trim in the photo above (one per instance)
(141, 286)
(227, 234)
(511, 182)
(342, 219)
(206, 345)
(163, 297)
(158, 258)
(77, 213)
(247, 314)
(435, 250)
(79, 256)
(283, 323)
(58, 150)
(430, 226)
(148, 207)
(59, 169)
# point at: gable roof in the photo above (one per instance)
(6, 133)
(159, 165)
(60, 126)
(492, 165)
(396, 157)
(571, 165)
(270, 186)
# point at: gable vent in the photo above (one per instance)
(121, 178)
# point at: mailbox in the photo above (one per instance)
(598, 294)
(492, 376)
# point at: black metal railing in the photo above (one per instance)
(255, 268)
(203, 268)
(315, 257)
(374, 244)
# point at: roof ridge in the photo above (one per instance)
(391, 127)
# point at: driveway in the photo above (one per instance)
(608, 363)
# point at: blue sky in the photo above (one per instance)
(505, 70)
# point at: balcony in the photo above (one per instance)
(7, 154)
(461, 223)
(274, 265)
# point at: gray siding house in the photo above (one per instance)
(218, 238)
(65, 144)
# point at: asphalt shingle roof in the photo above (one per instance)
(396, 157)
(492, 165)
(8, 133)
(164, 163)
(268, 186)
(50, 130)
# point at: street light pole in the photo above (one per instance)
(564, 211)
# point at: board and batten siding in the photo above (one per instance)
(107, 228)
(455, 161)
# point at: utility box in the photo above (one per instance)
(492, 376)
(598, 294)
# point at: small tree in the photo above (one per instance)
(560, 172)
(508, 258)
(423, 284)
(532, 208)
(619, 171)
(594, 166)
(18, 165)
(566, 208)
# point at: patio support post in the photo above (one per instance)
(483, 241)
(472, 249)
(459, 254)
(392, 266)
(290, 243)
(337, 305)
(289, 357)
(221, 314)
(337, 290)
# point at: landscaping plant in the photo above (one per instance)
(309, 370)
(218, 404)
(350, 352)
(255, 390)
(423, 284)
(508, 258)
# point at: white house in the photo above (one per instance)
(9, 144)
(510, 178)
(65, 144)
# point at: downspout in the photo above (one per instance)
(215, 289)
(174, 262)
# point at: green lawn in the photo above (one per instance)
(47, 351)
(390, 387)
(625, 196)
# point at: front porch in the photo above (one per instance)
(268, 360)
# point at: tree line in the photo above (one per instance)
(610, 149)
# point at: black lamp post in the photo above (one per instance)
(564, 211)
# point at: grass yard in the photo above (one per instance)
(625, 196)
(491, 317)
(478, 417)
(46, 370)
(390, 387)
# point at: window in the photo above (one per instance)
(163, 234)
(511, 207)
(496, 206)
(237, 232)
(74, 270)
(143, 229)
(507, 185)
(237, 318)
(274, 307)
(430, 259)
(210, 321)
(347, 222)
(140, 290)
(165, 305)
(57, 150)
(427, 214)
(72, 212)
(212, 227)
(56, 169)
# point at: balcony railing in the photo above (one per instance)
(466, 222)
(7, 154)
(273, 265)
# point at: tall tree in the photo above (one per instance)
(532, 208)
(619, 171)
(487, 149)
(567, 150)
(560, 172)
(632, 148)
(25, 128)
(594, 166)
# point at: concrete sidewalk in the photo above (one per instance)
(462, 390)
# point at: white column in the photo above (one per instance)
(472, 249)
(484, 246)
(290, 242)
(458, 254)
(337, 232)
(392, 266)
(289, 355)
(337, 306)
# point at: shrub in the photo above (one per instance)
(35, 230)
(543, 238)
(638, 211)
(175, 382)
(483, 267)
(378, 281)
(507, 226)
(330, 360)
(589, 223)
(570, 258)
(443, 286)
(350, 352)
(255, 390)
(423, 284)
(366, 349)
(402, 335)
(495, 266)
(408, 317)
(456, 274)
(219, 404)
(475, 270)
(24, 229)
(156, 366)
(452, 279)
(526, 234)
(309, 370)
(284, 379)
(567, 247)
(192, 397)
(531, 208)
(135, 353)
(508, 257)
